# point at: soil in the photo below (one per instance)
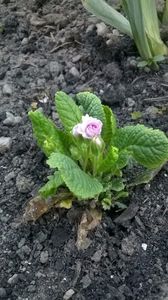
(53, 45)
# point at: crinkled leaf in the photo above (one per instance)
(79, 183)
(110, 126)
(123, 159)
(68, 111)
(91, 105)
(49, 137)
(149, 147)
(106, 203)
(49, 189)
(117, 184)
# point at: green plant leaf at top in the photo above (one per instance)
(49, 137)
(110, 126)
(79, 183)
(91, 105)
(68, 111)
(148, 146)
(49, 189)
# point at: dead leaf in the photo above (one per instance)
(38, 206)
(89, 221)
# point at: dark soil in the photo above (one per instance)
(46, 46)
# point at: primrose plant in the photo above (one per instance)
(88, 154)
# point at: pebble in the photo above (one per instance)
(97, 256)
(13, 280)
(23, 184)
(44, 257)
(90, 28)
(11, 119)
(68, 295)
(144, 246)
(5, 144)
(74, 72)
(55, 68)
(101, 29)
(7, 89)
(130, 102)
(2, 293)
(165, 76)
(24, 41)
(86, 281)
(76, 58)
(9, 176)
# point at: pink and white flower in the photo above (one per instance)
(89, 128)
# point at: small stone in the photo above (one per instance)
(13, 280)
(31, 288)
(24, 41)
(23, 184)
(39, 274)
(144, 246)
(7, 89)
(76, 58)
(97, 256)
(130, 102)
(26, 250)
(165, 76)
(86, 281)
(68, 294)
(55, 68)
(74, 72)
(9, 176)
(90, 28)
(101, 29)
(21, 243)
(44, 257)
(2, 293)
(5, 144)
(11, 119)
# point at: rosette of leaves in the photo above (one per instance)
(82, 170)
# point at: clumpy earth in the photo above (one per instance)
(53, 45)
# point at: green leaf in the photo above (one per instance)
(123, 159)
(49, 137)
(148, 147)
(91, 105)
(106, 203)
(68, 111)
(142, 64)
(79, 183)
(110, 126)
(103, 11)
(109, 162)
(49, 189)
(117, 184)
